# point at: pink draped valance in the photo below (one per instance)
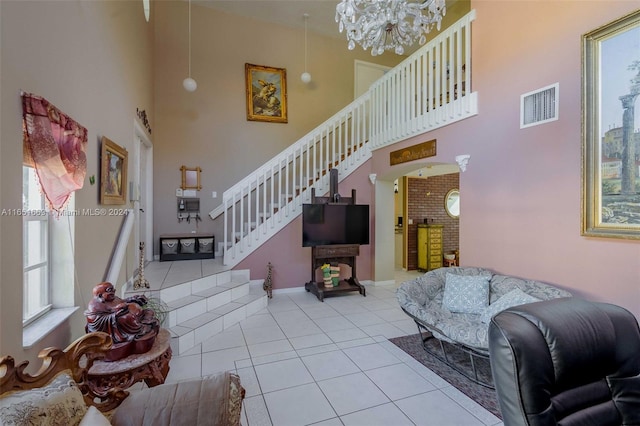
(55, 145)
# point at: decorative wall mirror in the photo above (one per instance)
(452, 203)
(191, 178)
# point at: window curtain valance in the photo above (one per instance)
(54, 144)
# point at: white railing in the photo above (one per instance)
(430, 89)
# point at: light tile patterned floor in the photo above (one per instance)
(304, 362)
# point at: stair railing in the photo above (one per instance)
(428, 90)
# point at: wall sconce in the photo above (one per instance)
(395, 186)
(462, 161)
(372, 178)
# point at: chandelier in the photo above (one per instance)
(388, 24)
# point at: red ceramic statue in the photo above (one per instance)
(132, 328)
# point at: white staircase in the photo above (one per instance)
(201, 308)
(430, 89)
(206, 306)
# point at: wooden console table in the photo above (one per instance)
(116, 376)
(343, 253)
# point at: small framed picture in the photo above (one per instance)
(113, 173)
(266, 89)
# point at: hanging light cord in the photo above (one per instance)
(306, 18)
(189, 38)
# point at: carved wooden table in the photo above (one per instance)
(153, 366)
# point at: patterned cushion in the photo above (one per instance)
(212, 400)
(466, 294)
(514, 298)
(58, 403)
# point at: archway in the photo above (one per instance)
(420, 176)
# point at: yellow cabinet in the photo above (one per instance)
(429, 247)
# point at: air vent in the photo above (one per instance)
(539, 106)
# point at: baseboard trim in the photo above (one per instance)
(288, 290)
(380, 283)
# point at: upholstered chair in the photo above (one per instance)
(566, 362)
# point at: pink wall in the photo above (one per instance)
(520, 195)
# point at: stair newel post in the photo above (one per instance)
(141, 281)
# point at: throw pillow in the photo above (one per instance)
(94, 418)
(59, 402)
(467, 294)
(514, 298)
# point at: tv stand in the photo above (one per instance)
(341, 253)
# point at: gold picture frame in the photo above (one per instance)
(610, 147)
(113, 173)
(266, 89)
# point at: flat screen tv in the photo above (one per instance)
(328, 224)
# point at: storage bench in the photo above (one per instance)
(186, 246)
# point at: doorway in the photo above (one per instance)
(424, 186)
(425, 204)
(365, 74)
(142, 191)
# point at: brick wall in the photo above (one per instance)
(425, 200)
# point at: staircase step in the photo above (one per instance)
(211, 291)
(186, 308)
(196, 330)
(214, 305)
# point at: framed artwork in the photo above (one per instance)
(113, 173)
(611, 145)
(266, 89)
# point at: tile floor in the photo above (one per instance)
(303, 362)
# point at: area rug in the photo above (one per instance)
(484, 396)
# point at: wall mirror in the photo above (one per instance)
(452, 203)
(191, 178)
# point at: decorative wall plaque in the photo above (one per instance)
(414, 152)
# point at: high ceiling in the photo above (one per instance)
(322, 13)
(322, 21)
(284, 12)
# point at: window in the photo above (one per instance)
(48, 259)
(35, 228)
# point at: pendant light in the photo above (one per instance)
(146, 7)
(305, 77)
(188, 83)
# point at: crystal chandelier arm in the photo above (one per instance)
(388, 24)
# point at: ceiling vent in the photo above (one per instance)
(539, 106)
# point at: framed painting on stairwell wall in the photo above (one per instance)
(611, 141)
(266, 89)
(113, 173)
